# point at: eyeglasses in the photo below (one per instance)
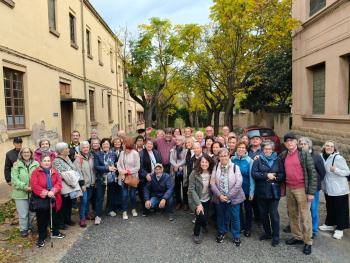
(222, 156)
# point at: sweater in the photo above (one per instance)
(164, 148)
(129, 161)
(85, 165)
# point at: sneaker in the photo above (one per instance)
(134, 213)
(82, 223)
(193, 221)
(326, 228)
(40, 243)
(196, 239)
(98, 220)
(58, 236)
(338, 234)
(307, 249)
(24, 233)
(237, 241)
(125, 215)
(171, 217)
(247, 233)
(112, 214)
(275, 242)
(220, 238)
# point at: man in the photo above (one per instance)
(301, 181)
(164, 145)
(188, 132)
(255, 145)
(225, 133)
(209, 131)
(93, 135)
(231, 145)
(141, 132)
(11, 158)
(139, 143)
(159, 191)
(74, 146)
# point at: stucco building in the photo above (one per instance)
(60, 71)
(321, 71)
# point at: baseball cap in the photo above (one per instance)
(289, 135)
(254, 133)
(17, 140)
(158, 165)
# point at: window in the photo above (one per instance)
(72, 27)
(111, 60)
(120, 75)
(52, 14)
(99, 45)
(92, 105)
(88, 43)
(14, 99)
(316, 5)
(140, 117)
(129, 116)
(65, 90)
(109, 102)
(318, 89)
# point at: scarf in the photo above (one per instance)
(47, 172)
(178, 152)
(325, 155)
(269, 159)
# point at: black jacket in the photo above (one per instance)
(320, 169)
(11, 158)
(263, 187)
(145, 163)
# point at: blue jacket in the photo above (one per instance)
(145, 163)
(263, 187)
(245, 165)
(252, 154)
(162, 189)
(99, 164)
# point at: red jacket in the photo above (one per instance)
(38, 153)
(38, 184)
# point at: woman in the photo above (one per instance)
(226, 185)
(215, 149)
(85, 164)
(208, 143)
(245, 164)
(188, 161)
(245, 139)
(128, 165)
(177, 132)
(44, 149)
(336, 190)
(306, 144)
(268, 174)
(117, 144)
(45, 183)
(199, 196)
(71, 180)
(20, 175)
(104, 164)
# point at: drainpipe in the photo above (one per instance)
(87, 122)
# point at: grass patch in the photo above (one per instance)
(7, 211)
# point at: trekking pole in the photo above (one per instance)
(51, 200)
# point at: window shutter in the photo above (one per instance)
(318, 90)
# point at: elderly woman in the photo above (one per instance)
(226, 185)
(85, 164)
(268, 174)
(306, 144)
(20, 175)
(71, 180)
(188, 161)
(245, 164)
(177, 161)
(199, 196)
(44, 149)
(104, 164)
(46, 184)
(336, 190)
(199, 137)
(128, 165)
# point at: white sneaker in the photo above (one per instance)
(125, 216)
(133, 212)
(98, 220)
(338, 234)
(326, 228)
(112, 214)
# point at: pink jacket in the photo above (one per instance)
(37, 155)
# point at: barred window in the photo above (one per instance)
(52, 14)
(92, 105)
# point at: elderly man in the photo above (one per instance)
(11, 158)
(74, 146)
(164, 145)
(159, 191)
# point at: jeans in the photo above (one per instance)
(43, 221)
(201, 219)
(84, 203)
(268, 209)
(246, 214)
(168, 205)
(128, 191)
(24, 215)
(228, 214)
(100, 194)
(314, 212)
(112, 194)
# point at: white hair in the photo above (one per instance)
(60, 147)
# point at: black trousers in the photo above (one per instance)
(112, 197)
(140, 190)
(166, 168)
(268, 209)
(43, 221)
(337, 211)
(93, 198)
(177, 189)
(256, 209)
(201, 220)
(65, 213)
(246, 214)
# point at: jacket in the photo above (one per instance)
(101, 168)
(129, 161)
(195, 189)
(38, 183)
(245, 164)
(38, 153)
(164, 147)
(10, 159)
(162, 189)
(235, 191)
(188, 166)
(263, 187)
(174, 160)
(73, 149)
(85, 165)
(145, 163)
(20, 176)
(310, 175)
(336, 183)
(320, 169)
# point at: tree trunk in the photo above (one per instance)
(210, 117)
(216, 121)
(228, 118)
(148, 115)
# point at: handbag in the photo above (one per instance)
(131, 180)
(36, 203)
(276, 191)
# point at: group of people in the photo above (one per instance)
(227, 178)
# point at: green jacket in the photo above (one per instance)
(310, 175)
(20, 176)
(195, 189)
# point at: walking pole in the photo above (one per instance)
(51, 200)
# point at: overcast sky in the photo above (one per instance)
(134, 12)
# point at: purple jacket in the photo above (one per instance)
(235, 191)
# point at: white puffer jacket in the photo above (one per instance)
(336, 183)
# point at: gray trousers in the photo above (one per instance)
(25, 216)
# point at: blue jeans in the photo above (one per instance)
(168, 205)
(228, 214)
(100, 195)
(84, 202)
(128, 191)
(314, 212)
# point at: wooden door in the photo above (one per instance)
(66, 118)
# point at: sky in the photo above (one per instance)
(131, 13)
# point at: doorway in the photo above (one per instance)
(66, 120)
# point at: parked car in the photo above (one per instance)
(265, 134)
